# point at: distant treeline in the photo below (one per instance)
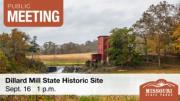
(49, 48)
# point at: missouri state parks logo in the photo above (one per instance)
(160, 90)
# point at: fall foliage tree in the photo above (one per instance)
(13, 50)
(176, 40)
(4, 63)
(159, 20)
(140, 29)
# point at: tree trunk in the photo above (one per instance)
(159, 50)
(146, 50)
(32, 56)
(165, 52)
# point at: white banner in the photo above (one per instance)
(78, 84)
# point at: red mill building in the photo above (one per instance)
(103, 45)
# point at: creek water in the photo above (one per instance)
(63, 69)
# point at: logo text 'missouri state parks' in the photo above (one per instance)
(33, 13)
(160, 90)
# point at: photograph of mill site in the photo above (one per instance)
(97, 37)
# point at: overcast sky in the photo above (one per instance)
(86, 19)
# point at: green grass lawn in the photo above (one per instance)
(150, 71)
(167, 69)
(153, 68)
